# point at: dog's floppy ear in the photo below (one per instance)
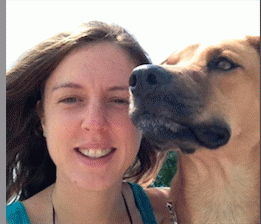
(254, 41)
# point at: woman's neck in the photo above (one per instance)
(77, 205)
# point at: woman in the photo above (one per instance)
(71, 147)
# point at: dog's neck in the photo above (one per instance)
(225, 182)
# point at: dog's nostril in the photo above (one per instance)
(132, 81)
(151, 79)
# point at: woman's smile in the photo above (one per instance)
(95, 153)
(95, 157)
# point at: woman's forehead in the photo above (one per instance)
(103, 61)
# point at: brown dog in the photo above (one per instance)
(204, 102)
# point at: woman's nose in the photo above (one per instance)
(94, 117)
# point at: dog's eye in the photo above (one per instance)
(222, 63)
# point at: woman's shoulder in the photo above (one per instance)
(159, 197)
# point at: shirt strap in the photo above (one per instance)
(143, 203)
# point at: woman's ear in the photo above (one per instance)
(40, 113)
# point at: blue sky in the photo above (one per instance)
(161, 27)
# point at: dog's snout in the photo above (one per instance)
(148, 77)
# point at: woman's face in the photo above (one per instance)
(89, 134)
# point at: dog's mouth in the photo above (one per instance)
(166, 134)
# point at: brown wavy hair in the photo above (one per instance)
(29, 167)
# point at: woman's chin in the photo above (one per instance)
(96, 184)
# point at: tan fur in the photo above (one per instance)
(223, 185)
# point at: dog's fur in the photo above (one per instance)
(209, 112)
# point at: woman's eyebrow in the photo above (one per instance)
(67, 85)
(119, 88)
(78, 86)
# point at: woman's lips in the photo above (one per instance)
(95, 157)
(95, 153)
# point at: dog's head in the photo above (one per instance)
(199, 97)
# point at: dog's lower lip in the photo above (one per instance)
(212, 136)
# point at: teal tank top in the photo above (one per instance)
(16, 213)
(143, 203)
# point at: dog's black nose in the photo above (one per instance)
(147, 78)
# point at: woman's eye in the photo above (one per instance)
(223, 64)
(121, 101)
(69, 100)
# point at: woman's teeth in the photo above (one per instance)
(95, 153)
